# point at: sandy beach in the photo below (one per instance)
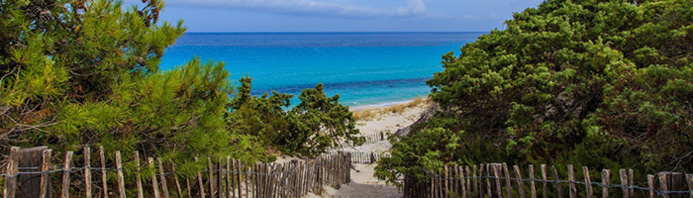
(383, 120)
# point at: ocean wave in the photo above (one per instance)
(381, 104)
(295, 89)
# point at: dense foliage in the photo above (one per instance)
(309, 128)
(601, 83)
(77, 73)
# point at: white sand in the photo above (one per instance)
(363, 184)
(391, 121)
(389, 124)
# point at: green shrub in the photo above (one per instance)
(606, 84)
(309, 128)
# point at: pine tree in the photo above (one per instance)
(77, 73)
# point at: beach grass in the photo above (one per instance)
(370, 114)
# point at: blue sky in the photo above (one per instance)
(342, 15)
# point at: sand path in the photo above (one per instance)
(363, 183)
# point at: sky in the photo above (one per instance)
(342, 15)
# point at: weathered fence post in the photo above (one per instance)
(476, 181)
(12, 170)
(671, 181)
(469, 180)
(246, 179)
(258, 172)
(238, 177)
(121, 178)
(571, 180)
(138, 177)
(651, 185)
(212, 181)
(66, 174)
(588, 181)
(299, 175)
(229, 189)
(175, 178)
(199, 180)
(664, 184)
(678, 183)
(463, 182)
(455, 173)
(434, 184)
(87, 171)
(30, 160)
(543, 178)
(631, 191)
(531, 181)
(349, 168)
(624, 182)
(488, 180)
(220, 178)
(275, 182)
(507, 180)
(45, 188)
(518, 178)
(440, 184)
(187, 182)
(496, 169)
(606, 176)
(558, 184)
(294, 177)
(155, 183)
(164, 186)
(103, 172)
(446, 192)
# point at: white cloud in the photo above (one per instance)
(310, 7)
(414, 8)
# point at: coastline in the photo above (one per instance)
(383, 105)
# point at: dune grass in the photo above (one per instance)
(370, 114)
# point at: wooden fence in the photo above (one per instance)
(491, 179)
(370, 139)
(358, 157)
(376, 137)
(225, 179)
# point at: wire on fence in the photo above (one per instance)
(292, 180)
(54, 170)
(59, 169)
(658, 192)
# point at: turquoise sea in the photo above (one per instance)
(365, 69)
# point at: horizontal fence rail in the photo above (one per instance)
(224, 178)
(497, 180)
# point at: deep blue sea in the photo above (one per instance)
(365, 69)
